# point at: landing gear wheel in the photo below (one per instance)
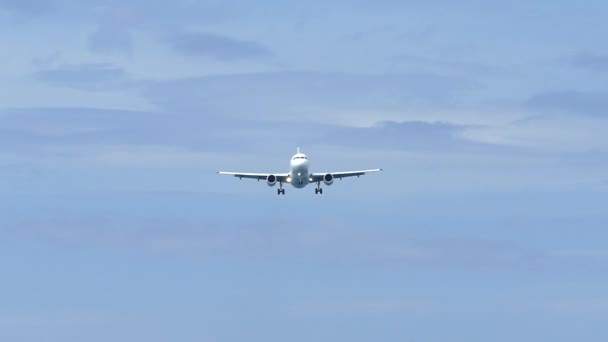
(280, 191)
(318, 190)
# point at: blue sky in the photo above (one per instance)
(489, 222)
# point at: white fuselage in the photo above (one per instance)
(299, 170)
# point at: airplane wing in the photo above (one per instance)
(281, 177)
(319, 177)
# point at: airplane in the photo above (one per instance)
(299, 176)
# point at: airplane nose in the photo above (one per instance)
(299, 163)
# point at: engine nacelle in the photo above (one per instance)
(328, 179)
(271, 180)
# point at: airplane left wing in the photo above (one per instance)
(319, 177)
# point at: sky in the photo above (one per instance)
(489, 221)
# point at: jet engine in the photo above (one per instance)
(271, 180)
(328, 179)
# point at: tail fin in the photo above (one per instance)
(298, 150)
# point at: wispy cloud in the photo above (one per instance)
(98, 76)
(319, 97)
(589, 61)
(458, 66)
(217, 46)
(146, 156)
(573, 102)
(181, 136)
(545, 133)
(412, 136)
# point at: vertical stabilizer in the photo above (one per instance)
(298, 150)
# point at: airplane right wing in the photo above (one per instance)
(280, 177)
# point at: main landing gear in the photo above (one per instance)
(280, 190)
(318, 190)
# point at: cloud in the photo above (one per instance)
(309, 96)
(410, 135)
(568, 121)
(183, 137)
(147, 156)
(548, 133)
(571, 102)
(216, 46)
(589, 61)
(98, 76)
(103, 126)
(452, 65)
